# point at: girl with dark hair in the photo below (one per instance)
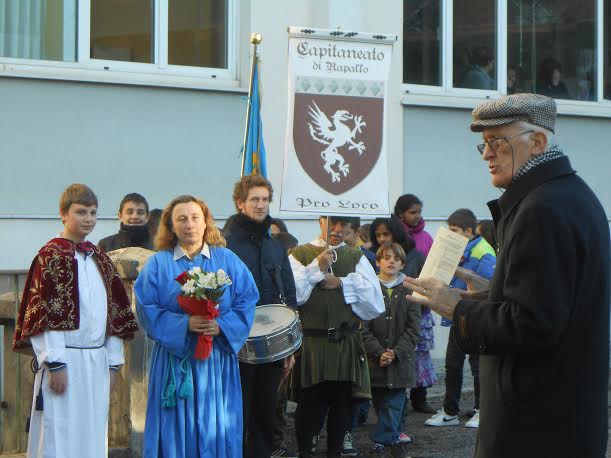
(278, 226)
(409, 210)
(384, 230)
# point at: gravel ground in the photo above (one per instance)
(428, 442)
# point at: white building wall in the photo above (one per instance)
(442, 166)
(117, 139)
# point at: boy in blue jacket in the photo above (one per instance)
(480, 258)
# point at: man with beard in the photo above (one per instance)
(248, 236)
(336, 289)
(134, 232)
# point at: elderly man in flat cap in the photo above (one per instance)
(542, 329)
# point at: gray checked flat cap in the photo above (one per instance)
(533, 108)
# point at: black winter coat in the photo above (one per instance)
(398, 328)
(128, 236)
(543, 333)
(265, 257)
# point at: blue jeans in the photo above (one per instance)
(388, 404)
(360, 411)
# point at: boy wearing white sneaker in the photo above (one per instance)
(390, 341)
(442, 418)
(480, 258)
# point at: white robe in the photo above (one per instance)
(75, 424)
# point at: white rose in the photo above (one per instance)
(222, 278)
(201, 282)
(188, 287)
(208, 281)
(195, 270)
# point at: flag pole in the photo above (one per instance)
(255, 39)
(327, 246)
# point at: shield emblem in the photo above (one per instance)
(337, 138)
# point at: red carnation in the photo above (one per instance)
(200, 307)
(183, 278)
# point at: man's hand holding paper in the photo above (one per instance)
(434, 294)
(432, 289)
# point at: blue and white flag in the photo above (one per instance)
(254, 159)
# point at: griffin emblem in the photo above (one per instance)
(335, 134)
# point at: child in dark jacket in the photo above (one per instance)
(390, 342)
(389, 230)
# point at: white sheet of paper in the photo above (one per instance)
(446, 252)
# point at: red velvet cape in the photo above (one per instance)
(51, 297)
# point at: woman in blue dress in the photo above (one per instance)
(194, 406)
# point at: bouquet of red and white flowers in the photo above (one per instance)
(200, 294)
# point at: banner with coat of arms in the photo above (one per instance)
(335, 158)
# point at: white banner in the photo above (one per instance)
(335, 157)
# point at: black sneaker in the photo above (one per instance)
(423, 407)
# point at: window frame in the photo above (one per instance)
(447, 95)
(447, 58)
(600, 53)
(109, 71)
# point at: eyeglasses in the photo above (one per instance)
(495, 143)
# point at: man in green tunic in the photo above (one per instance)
(336, 289)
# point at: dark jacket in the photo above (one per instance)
(543, 333)
(136, 236)
(265, 257)
(371, 257)
(414, 261)
(398, 328)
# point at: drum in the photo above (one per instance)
(275, 334)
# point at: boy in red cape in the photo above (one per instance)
(74, 315)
